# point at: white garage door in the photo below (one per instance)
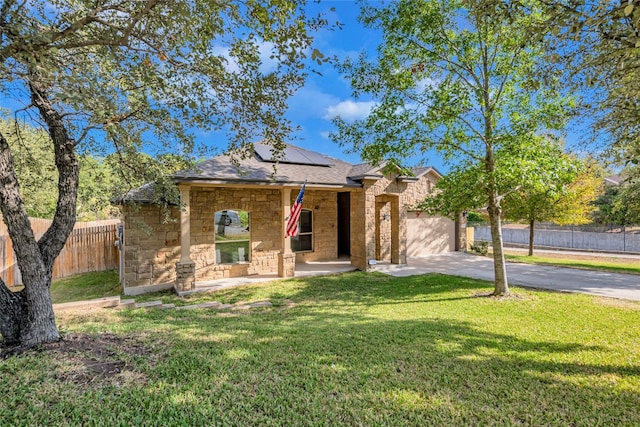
(429, 234)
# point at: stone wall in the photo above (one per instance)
(324, 205)
(151, 245)
(265, 223)
(375, 238)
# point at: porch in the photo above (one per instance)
(303, 269)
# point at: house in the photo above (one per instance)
(354, 212)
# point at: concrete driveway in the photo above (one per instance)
(615, 285)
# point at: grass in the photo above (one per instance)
(617, 265)
(355, 349)
(86, 286)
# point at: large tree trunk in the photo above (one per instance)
(27, 316)
(531, 224)
(501, 285)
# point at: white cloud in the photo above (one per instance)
(427, 82)
(264, 48)
(349, 110)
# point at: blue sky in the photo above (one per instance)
(327, 95)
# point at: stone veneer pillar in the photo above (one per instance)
(185, 268)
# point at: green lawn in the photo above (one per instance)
(617, 265)
(86, 286)
(355, 349)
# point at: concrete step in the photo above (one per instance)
(212, 304)
(149, 304)
(106, 302)
(127, 303)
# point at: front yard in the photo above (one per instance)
(354, 349)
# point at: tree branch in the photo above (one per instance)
(64, 219)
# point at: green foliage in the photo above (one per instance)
(620, 204)
(34, 165)
(354, 349)
(480, 247)
(38, 176)
(144, 76)
(557, 188)
(457, 76)
(475, 217)
(597, 44)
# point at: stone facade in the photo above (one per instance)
(380, 233)
(324, 205)
(151, 245)
(378, 230)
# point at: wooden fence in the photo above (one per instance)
(89, 248)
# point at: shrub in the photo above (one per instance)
(480, 246)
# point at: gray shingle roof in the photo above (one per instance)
(254, 170)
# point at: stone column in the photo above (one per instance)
(369, 226)
(185, 268)
(398, 232)
(286, 259)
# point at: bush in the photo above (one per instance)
(480, 246)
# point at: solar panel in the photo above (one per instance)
(292, 155)
(264, 151)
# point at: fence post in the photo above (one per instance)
(572, 227)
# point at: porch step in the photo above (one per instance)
(106, 302)
(382, 268)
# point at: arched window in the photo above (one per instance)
(303, 242)
(232, 236)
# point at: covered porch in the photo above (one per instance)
(302, 269)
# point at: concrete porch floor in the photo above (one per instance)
(306, 269)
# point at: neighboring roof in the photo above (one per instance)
(295, 166)
(420, 172)
(613, 180)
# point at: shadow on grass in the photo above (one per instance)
(307, 368)
(342, 356)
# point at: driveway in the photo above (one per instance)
(615, 285)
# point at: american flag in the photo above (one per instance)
(294, 216)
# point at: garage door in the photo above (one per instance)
(428, 235)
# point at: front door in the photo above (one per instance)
(344, 224)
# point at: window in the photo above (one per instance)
(303, 242)
(232, 236)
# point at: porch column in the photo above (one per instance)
(185, 268)
(286, 258)
(370, 221)
(398, 232)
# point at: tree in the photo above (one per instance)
(597, 44)
(37, 174)
(561, 191)
(620, 204)
(34, 167)
(455, 75)
(121, 77)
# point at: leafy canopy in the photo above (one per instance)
(143, 76)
